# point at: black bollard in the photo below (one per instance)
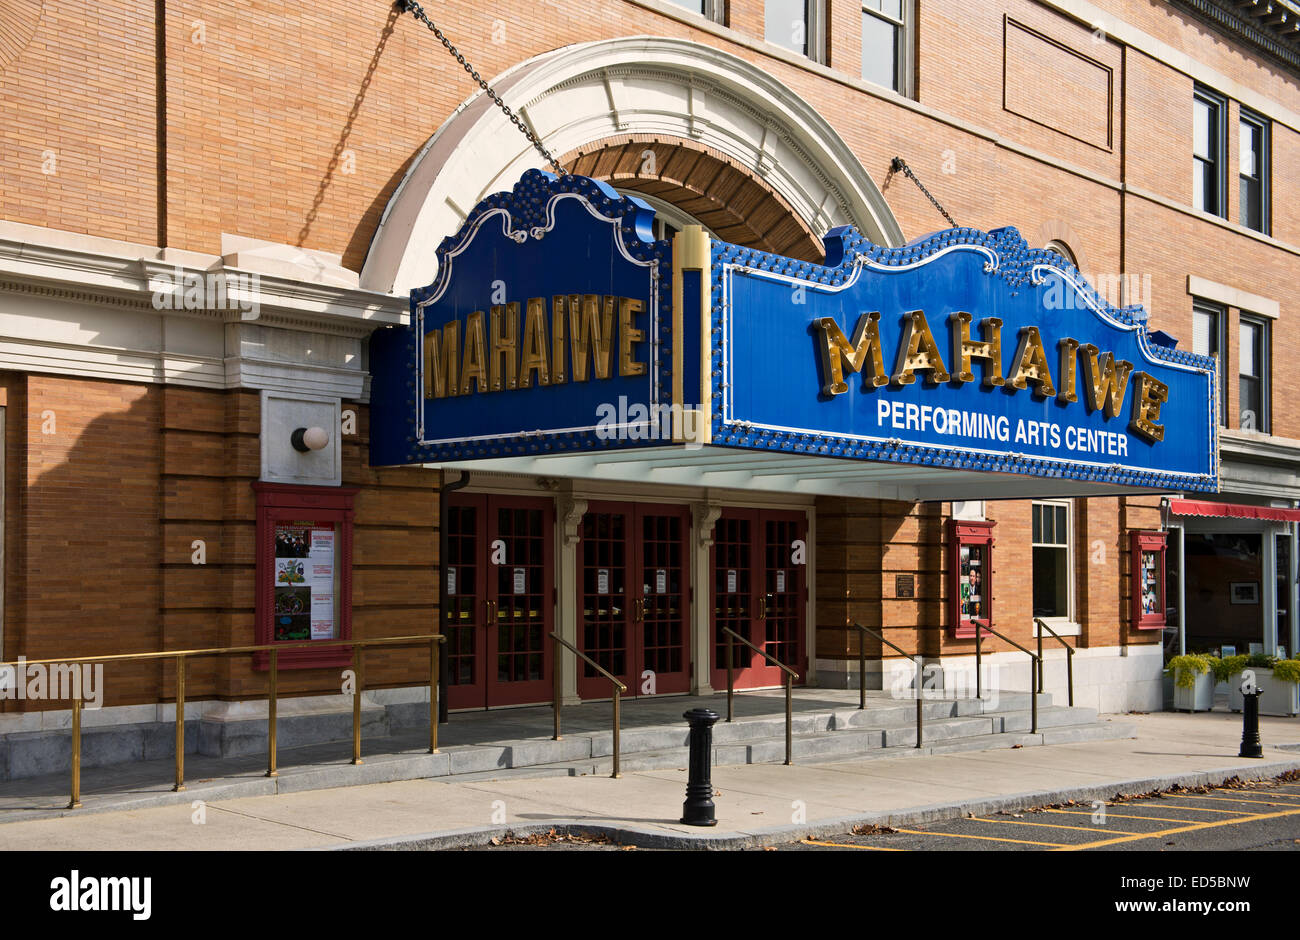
(1250, 743)
(698, 808)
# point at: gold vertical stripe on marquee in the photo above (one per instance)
(691, 253)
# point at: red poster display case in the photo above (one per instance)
(1148, 583)
(304, 573)
(970, 577)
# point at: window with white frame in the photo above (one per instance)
(1253, 171)
(1209, 144)
(1253, 356)
(797, 25)
(886, 49)
(1209, 338)
(1053, 568)
(709, 9)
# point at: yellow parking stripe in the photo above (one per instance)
(1200, 809)
(1193, 827)
(1294, 796)
(1018, 822)
(1225, 799)
(849, 845)
(1075, 812)
(954, 835)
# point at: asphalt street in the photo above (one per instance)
(1259, 816)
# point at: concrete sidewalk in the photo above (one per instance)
(756, 804)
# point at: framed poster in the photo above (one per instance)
(970, 577)
(304, 573)
(1243, 592)
(1147, 586)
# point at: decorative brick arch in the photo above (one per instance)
(784, 161)
(728, 198)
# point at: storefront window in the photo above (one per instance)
(1051, 545)
(1224, 603)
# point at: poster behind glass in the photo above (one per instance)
(306, 582)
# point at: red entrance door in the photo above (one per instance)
(759, 592)
(498, 609)
(633, 590)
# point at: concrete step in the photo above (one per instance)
(838, 747)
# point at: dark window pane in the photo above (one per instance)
(1051, 582)
(1250, 405)
(1252, 210)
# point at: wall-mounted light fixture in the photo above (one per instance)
(305, 440)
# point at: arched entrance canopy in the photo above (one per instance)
(595, 91)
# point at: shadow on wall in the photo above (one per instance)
(84, 573)
(370, 219)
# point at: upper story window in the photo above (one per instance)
(885, 51)
(1254, 172)
(1053, 568)
(1209, 338)
(710, 9)
(1208, 148)
(1253, 358)
(796, 25)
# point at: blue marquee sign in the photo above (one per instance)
(557, 325)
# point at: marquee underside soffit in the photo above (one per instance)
(807, 475)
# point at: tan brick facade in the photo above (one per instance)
(295, 123)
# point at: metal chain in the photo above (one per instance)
(410, 6)
(900, 165)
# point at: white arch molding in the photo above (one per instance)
(634, 85)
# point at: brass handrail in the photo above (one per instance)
(1034, 664)
(1069, 658)
(862, 676)
(790, 676)
(181, 657)
(619, 689)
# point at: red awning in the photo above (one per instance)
(1195, 507)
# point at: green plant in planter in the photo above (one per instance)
(1187, 667)
(1231, 665)
(1287, 670)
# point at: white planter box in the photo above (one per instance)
(1199, 698)
(1279, 698)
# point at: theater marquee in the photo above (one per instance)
(557, 326)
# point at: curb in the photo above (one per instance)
(642, 837)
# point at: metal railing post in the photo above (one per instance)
(1039, 631)
(557, 684)
(356, 706)
(1033, 704)
(789, 719)
(433, 696)
(862, 671)
(75, 802)
(1069, 672)
(730, 679)
(618, 698)
(180, 725)
(978, 667)
(920, 706)
(272, 703)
